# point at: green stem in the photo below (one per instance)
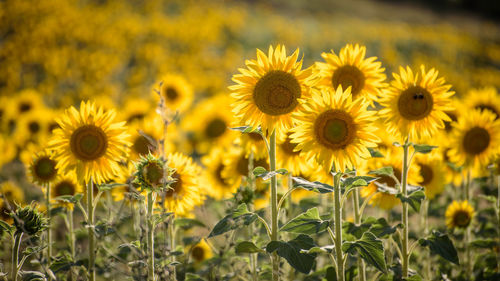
(357, 219)
(274, 205)
(90, 225)
(71, 239)
(498, 222)
(171, 233)
(404, 214)
(15, 254)
(467, 237)
(49, 221)
(151, 247)
(425, 222)
(338, 226)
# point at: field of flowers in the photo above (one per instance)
(247, 140)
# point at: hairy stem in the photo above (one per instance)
(338, 226)
(49, 222)
(274, 205)
(404, 214)
(15, 255)
(90, 225)
(151, 247)
(357, 219)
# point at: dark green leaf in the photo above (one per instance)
(375, 153)
(239, 217)
(70, 198)
(103, 229)
(423, 148)
(306, 223)
(292, 252)
(4, 226)
(32, 276)
(312, 186)
(384, 171)
(63, 263)
(187, 223)
(369, 248)
(414, 199)
(247, 247)
(161, 217)
(382, 229)
(357, 181)
(354, 229)
(440, 244)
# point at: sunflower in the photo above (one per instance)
(415, 105)
(176, 92)
(270, 90)
(135, 109)
(186, 191)
(459, 214)
(43, 167)
(475, 139)
(209, 122)
(200, 252)
(219, 187)
(335, 130)
(433, 173)
(90, 143)
(65, 184)
(289, 158)
(8, 151)
(34, 126)
(151, 173)
(387, 200)
(145, 135)
(350, 68)
(252, 143)
(11, 193)
(236, 164)
(26, 101)
(5, 210)
(483, 99)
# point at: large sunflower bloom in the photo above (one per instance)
(335, 130)
(350, 68)
(459, 214)
(475, 139)
(415, 105)
(270, 90)
(90, 143)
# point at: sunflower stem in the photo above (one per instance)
(468, 261)
(49, 222)
(151, 249)
(71, 239)
(404, 214)
(357, 219)
(90, 225)
(15, 254)
(171, 233)
(425, 223)
(338, 226)
(498, 218)
(274, 205)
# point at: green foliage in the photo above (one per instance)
(370, 248)
(261, 172)
(292, 252)
(306, 223)
(440, 244)
(236, 219)
(414, 199)
(423, 148)
(247, 247)
(316, 186)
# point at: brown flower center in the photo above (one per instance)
(415, 103)
(289, 147)
(476, 140)
(215, 128)
(153, 173)
(170, 93)
(44, 168)
(335, 129)
(461, 218)
(175, 187)
(142, 145)
(426, 173)
(34, 127)
(198, 253)
(349, 75)
(64, 187)
(24, 106)
(88, 143)
(277, 93)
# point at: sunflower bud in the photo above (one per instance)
(29, 220)
(152, 173)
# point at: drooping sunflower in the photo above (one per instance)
(483, 99)
(335, 130)
(209, 122)
(415, 104)
(90, 143)
(200, 252)
(387, 200)
(219, 187)
(350, 68)
(65, 184)
(475, 139)
(176, 92)
(186, 191)
(459, 214)
(270, 89)
(433, 173)
(5, 210)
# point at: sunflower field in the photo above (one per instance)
(248, 140)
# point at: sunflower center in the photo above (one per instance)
(461, 218)
(415, 103)
(476, 140)
(242, 165)
(64, 188)
(171, 93)
(88, 143)
(175, 187)
(136, 116)
(426, 173)
(45, 168)
(335, 129)
(289, 147)
(277, 93)
(34, 127)
(215, 128)
(141, 145)
(153, 173)
(488, 107)
(24, 106)
(349, 75)
(198, 253)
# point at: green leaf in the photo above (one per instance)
(384, 171)
(63, 263)
(484, 243)
(103, 229)
(239, 217)
(292, 252)
(70, 198)
(247, 247)
(186, 223)
(306, 223)
(440, 244)
(382, 229)
(109, 186)
(261, 172)
(357, 181)
(32, 276)
(316, 250)
(159, 218)
(247, 129)
(375, 153)
(423, 148)
(4, 226)
(369, 248)
(316, 186)
(414, 199)
(355, 229)
(490, 198)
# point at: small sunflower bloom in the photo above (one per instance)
(151, 173)
(29, 220)
(416, 104)
(43, 168)
(200, 252)
(65, 185)
(459, 214)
